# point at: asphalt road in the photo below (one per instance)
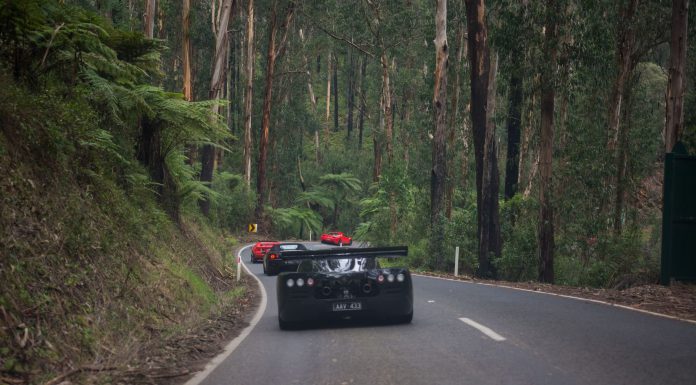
(466, 333)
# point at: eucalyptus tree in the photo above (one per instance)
(248, 90)
(278, 24)
(488, 222)
(438, 172)
(674, 122)
(221, 20)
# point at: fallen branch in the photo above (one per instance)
(72, 372)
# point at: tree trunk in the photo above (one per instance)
(479, 61)
(548, 93)
(327, 132)
(387, 109)
(248, 90)
(192, 149)
(361, 114)
(674, 120)
(350, 93)
(490, 183)
(625, 43)
(312, 98)
(217, 83)
(186, 50)
(454, 119)
(513, 134)
(438, 174)
(271, 56)
(149, 18)
(334, 80)
(622, 162)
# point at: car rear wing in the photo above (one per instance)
(346, 253)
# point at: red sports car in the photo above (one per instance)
(336, 238)
(260, 249)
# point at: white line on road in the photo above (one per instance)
(200, 376)
(485, 330)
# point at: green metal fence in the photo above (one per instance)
(679, 218)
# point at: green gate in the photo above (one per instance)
(679, 217)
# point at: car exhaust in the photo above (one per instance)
(367, 288)
(326, 291)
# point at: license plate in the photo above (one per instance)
(347, 306)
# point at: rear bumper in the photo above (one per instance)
(383, 306)
(282, 265)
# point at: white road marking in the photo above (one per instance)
(483, 329)
(431, 301)
(625, 307)
(212, 364)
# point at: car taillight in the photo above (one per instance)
(380, 278)
(390, 277)
(300, 282)
(400, 277)
(310, 281)
(273, 256)
(290, 283)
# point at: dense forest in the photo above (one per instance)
(530, 134)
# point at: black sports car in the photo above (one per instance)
(272, 261)
(344, 283)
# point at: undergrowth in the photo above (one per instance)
(91, 268)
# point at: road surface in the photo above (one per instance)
(466, 333)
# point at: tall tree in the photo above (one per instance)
(350, 93)
(625, 39)
(149, 18)
(275, 49)
(454, 116)
(334, 89)
(674, 119)
(548, 95)
(220, 22)
(438, 173)
(248, 90)
(489, 238)
(186, 49)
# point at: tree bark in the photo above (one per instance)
(490, 183)
(548, 93)
(513, 134)
(186, 50)
(622, 161)
(217, 84)
(438, 174)
(361, 114)
(149, 18)
(454, 119)
(480, 65)
(334, 80)
(626, 37)
(248, 90)
(387, 109)
(674, 120)
(350, 94)
(271, 57)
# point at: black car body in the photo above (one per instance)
(344, 283)
(274, 263)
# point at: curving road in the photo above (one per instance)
(466, 333)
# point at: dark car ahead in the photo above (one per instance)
(273, 263)
(344, 284)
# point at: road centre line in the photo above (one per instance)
(483, 329)
(215, 362)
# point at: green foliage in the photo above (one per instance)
(519, 259)
(294, 221)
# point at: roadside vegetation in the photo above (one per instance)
(99, 259)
